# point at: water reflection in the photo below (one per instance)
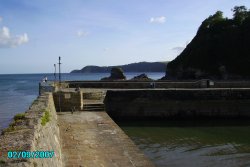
(225, 143)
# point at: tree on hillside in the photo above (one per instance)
(211, 21)
(240, 14)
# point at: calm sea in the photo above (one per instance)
(175, 144)
(17, 91)
(220, 143)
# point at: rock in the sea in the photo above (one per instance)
(142, 77)
(116, 74)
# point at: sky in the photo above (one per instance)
(33, 34)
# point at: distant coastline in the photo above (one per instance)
(133, 67)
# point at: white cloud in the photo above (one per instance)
(160, 20)
(7, 41)
(81, 33)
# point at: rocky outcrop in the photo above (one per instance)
(220, 49)
(141, 77)
(116, 74)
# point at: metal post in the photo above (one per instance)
(59, 70)
(55, 72)
(59, 83)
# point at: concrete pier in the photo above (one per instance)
(89, 137)
(93, 139)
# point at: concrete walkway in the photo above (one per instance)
(92, 139)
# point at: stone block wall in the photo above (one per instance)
(132, 84)
(28, 134)
(93, 94)
(68, 100)
(193, 103)
(204, 83)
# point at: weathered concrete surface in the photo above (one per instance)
(92, 139)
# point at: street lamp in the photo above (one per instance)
(59, 70)
(55, 72)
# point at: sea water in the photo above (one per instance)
(216, 143)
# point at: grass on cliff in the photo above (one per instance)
(35, 102)
(12, 127)
(19, 116)
(45, 118)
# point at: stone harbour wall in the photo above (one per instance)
(34, 130)
(180, 104)
(131, 84)
(204, 83)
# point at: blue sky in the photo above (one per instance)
(98, 32)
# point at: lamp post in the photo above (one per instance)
(60, 70)
(55, 72)
(59, 83)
